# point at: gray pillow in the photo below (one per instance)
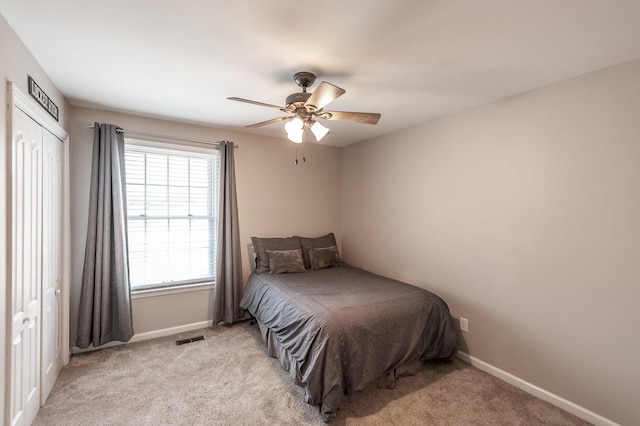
(328, 240)
(324, 257)
(285, 261)
(260, 246)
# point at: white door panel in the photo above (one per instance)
(26, 267)
(51, 247)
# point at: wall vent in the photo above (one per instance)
(189, 340)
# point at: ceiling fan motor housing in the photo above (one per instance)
(294, 98)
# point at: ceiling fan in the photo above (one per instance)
(307, 108)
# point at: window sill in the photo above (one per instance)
(163, 291)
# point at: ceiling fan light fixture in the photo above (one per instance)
(294, 129)
(295, 137)
(294, 126)
(318, 130)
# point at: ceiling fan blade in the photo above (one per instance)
(356, 117)
(273, 120)
(325, 93)
(255, 103)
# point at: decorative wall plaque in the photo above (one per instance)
(38, 94)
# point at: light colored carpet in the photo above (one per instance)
(227, 379)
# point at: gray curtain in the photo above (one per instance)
(228, 288)
(105, 298)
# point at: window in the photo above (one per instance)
(172, 198)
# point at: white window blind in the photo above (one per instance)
(172, 209)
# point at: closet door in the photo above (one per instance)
(51, 318)
(26, 269)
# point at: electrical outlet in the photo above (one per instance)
(464, 324)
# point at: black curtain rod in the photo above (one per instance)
(173, 138)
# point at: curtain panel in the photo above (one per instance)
(105, 298)
(228, 288)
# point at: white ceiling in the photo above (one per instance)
(411, 61)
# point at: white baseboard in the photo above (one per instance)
(139, 337)
(169, 331)
(534, 390)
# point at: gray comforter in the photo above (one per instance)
(344, 329)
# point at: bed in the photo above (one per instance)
(340, 330)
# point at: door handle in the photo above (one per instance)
(26, 319)
(57, 292)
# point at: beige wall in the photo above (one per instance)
(524, 215)
(16, 63)
(275, 198)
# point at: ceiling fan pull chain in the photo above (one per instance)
(304, 160)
